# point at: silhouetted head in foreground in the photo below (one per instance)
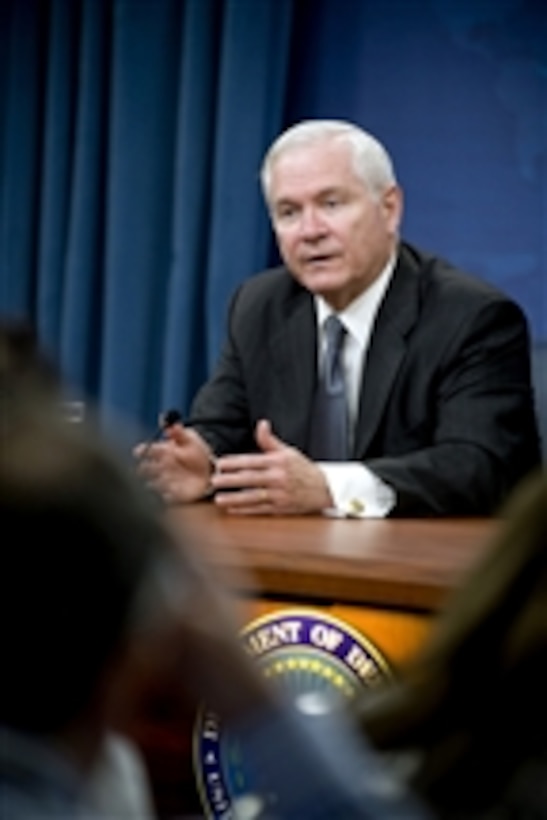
(81, 539)
(469, 717)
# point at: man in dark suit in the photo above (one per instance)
(435, 364)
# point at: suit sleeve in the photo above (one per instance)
(483, 437)
(220, 410)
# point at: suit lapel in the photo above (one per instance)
(294, 364)
(396, 317)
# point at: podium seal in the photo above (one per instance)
(306, 652)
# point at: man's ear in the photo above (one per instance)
(392, 208)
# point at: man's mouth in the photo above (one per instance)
(318, 259)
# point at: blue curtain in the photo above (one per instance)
(131, 134)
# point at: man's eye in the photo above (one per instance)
(332, 202)
(286, 213)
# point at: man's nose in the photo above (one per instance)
(311, 223)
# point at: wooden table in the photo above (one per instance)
(405, 564)
(386, 579)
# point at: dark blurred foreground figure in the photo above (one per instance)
(76, 550)
(468, 723)
(97, 598)
(24, 368)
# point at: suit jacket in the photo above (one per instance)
(446, 412)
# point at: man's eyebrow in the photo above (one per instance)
(331, 190)
(328, 191)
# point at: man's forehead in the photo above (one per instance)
(305, 171)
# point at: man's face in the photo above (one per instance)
(333, 235)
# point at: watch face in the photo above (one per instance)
(317, 660)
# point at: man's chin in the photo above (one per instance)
(322, 279)
(325, 286)
(333, 287)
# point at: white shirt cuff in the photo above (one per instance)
(357, 492)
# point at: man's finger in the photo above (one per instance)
(265, 438)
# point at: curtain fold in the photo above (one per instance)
(80, 342)
(141, 135)
(57, 153)
(184, 354)
(23, 56)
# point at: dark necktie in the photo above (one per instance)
(329, 423)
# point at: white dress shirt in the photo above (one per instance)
(356, 491)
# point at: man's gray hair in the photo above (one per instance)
(371, 161)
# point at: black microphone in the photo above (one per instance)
(168, 419)
(165, 420)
